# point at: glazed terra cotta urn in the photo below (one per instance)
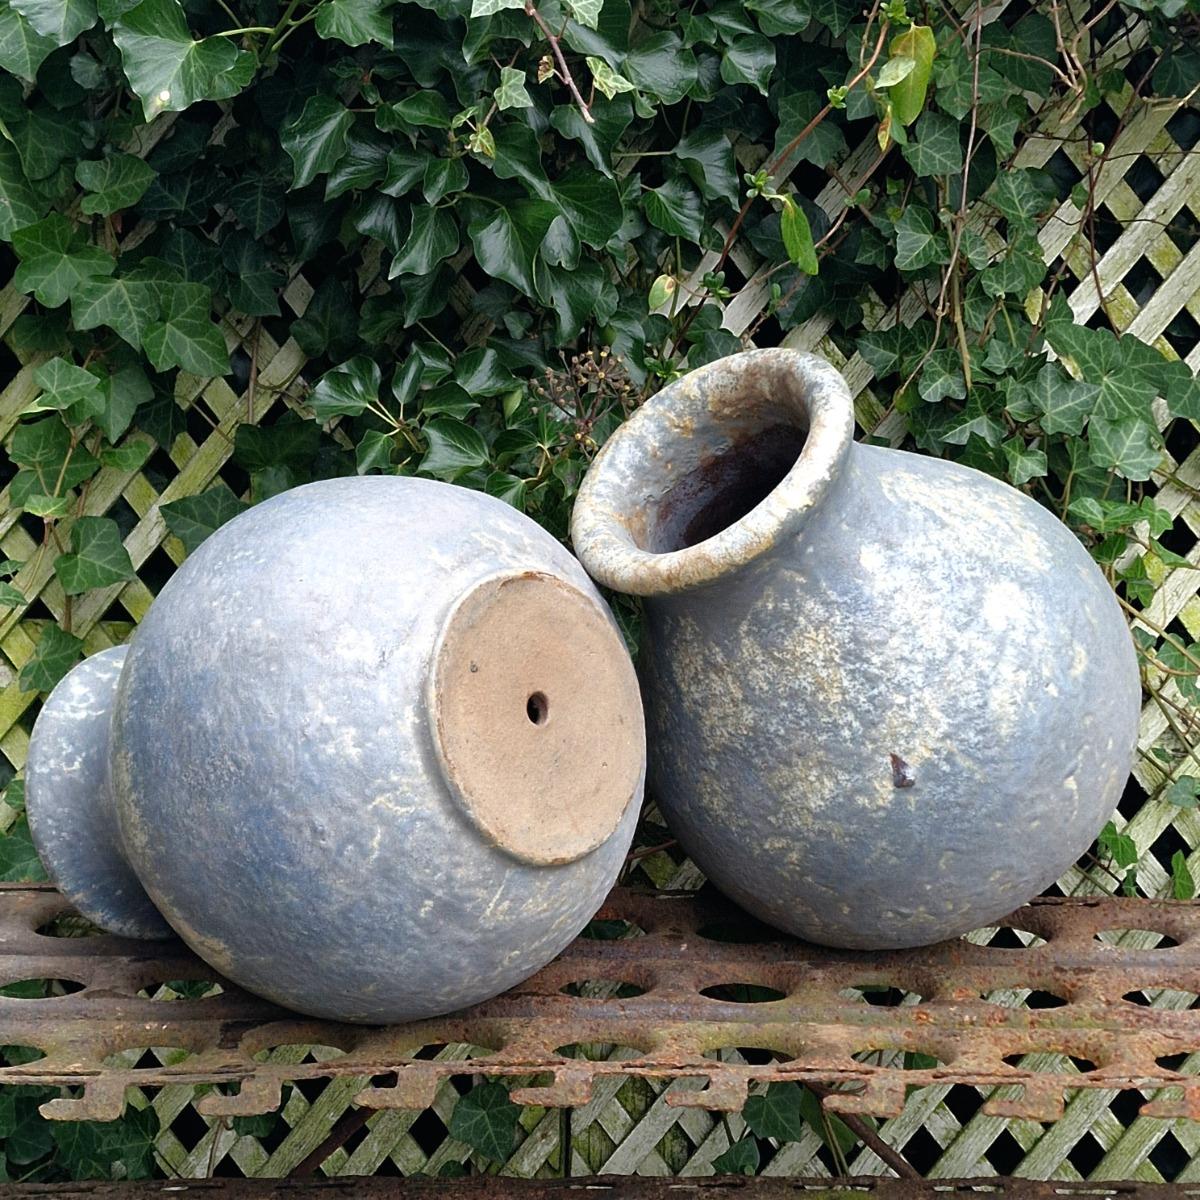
(375, 753)
(888, 698)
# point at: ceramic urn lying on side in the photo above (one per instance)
(376, 753)
(888, 698)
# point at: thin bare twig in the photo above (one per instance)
(563, 70)
(869, 1137)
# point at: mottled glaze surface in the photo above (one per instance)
(895, 700)
(69, 802)
(274, 769)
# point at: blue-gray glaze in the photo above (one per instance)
(70, 804)
(275, 778)
(894, 700)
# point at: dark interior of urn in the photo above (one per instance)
(724, 488)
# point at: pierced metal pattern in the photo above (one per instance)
(958, 1003)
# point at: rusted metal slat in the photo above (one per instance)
(683, 951)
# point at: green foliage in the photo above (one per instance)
(486, 1119)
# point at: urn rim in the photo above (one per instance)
(683, 428)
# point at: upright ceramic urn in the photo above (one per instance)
(888, 698)
(375, 752)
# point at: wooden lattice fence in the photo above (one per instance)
(1131, 264)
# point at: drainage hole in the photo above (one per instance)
(537, 708)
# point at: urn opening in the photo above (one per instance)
(713, 472)
(725, 488)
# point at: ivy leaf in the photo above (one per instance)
(479, 372)
(1063, 404)
(824, 143)
(507, 241)
(974, 421)
(775, 1113)
(433, 237)
(1023, 194)
(1126, 446)
(935, 148)
(291, 443)
(127, 458)
(485, 1118)
(257, 202)
(454, 449)
(707, 156)
(126, 305)
(374, 451)
(489, 8)
(780, 16)
(121, 1149)
(254, 280)
(508, 488)
(185, 336)
(443, 176)
(46, 448)
(749, 59)
(65, 385)
(19, 859)
(1183, 885)
(575, 297)
(676, 208)
(1024, 463)
(1120, 847)
(22, 48)
(55, 257)
(661, 67)
(919, 243)
(330, 324)
(316, 140)
(797, 237)
(55, 654)
(512, 93)
(23, 1129)
(61, 21)
(404, 169)
(1126, 387)
(608, 82)
(167, 69)
(590, 203)
(1183, 792)
(115, 182)
(20, 203)
(586, 12)
(355, 22)
(98, 557)
(193, 518)
(907, 95)
(44, 141)
(740, 1159)
(894, 70)
(942, 377)
(1020, 270)
(1178, 73)
(427, 109)
(346, 391)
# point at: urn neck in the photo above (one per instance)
(713, 472)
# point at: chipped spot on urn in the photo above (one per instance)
(311, 814)
(888, 698)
